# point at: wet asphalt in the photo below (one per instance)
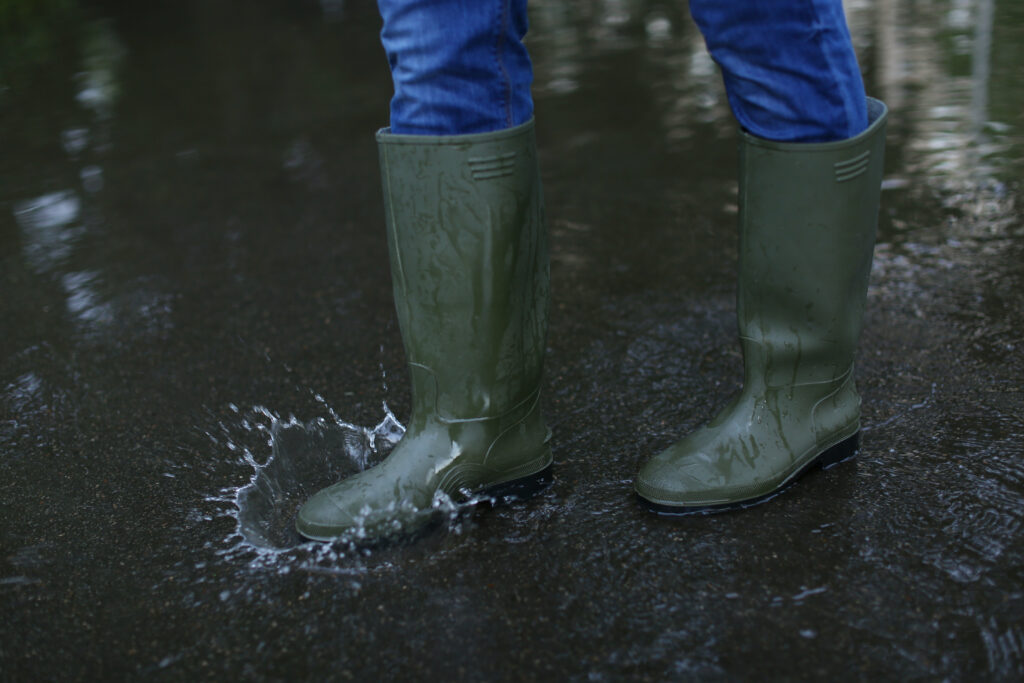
(196, 332)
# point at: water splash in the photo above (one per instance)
(287, 460)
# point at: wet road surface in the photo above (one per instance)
(197, 333)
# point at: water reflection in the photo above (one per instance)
(658, 26)
(59, 229)
(653, 38)
(75, 140)
(558, 73)
(903, 42)
(98, 82)
(83, 298)
(50, 228)
(981, 56)
(955, 137)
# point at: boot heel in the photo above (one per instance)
(520, 489)
(842, 451)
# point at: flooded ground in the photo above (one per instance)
(197, 332)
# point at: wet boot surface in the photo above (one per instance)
(197, 333)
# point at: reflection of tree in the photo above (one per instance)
(643, 58)
(56, 212)
(31, 33)
(951, 70)
(1006, 91)
(956, 132)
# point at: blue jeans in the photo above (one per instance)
(459, 66)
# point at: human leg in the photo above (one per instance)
(469, 270)
(458, 66)
(807, 221)
(789, 68)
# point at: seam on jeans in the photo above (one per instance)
(505, 98)
(747, 123)
(826, 56)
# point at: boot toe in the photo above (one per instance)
(364, 507)
(322, 518)
(673, 481)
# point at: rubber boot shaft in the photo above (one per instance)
(469, 266)
(808, 216)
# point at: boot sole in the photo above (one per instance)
(504, 493)
(827, 459)
(522, 488)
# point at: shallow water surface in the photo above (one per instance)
(196, 322)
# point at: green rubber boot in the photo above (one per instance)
(808, 214)
(469, 267)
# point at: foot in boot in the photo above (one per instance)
(434, 465)
(760, 443)
(469, 268)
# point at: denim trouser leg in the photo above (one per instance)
(458, 66)
(789, 67)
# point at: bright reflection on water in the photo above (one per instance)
(49, 228)
(98, 83)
